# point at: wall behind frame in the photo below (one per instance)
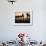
(7, 11)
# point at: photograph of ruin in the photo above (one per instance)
(22, 17)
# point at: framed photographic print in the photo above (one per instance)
(23, 17)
